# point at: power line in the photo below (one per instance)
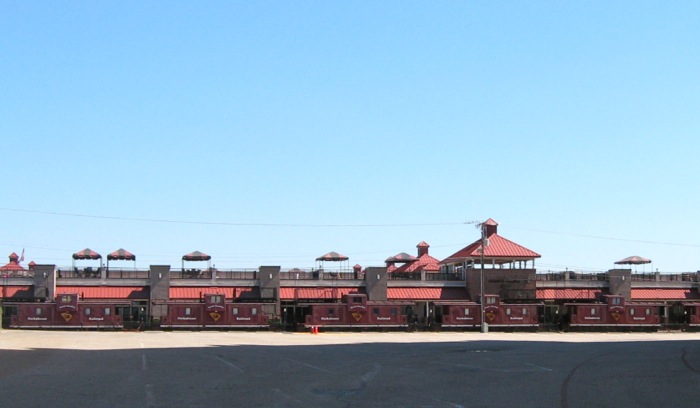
(224, 223)
(640, 241)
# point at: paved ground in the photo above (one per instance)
(232, 369)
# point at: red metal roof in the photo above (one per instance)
(106, 292)
(652, 294)
(315, 293)
(11, 291)
(554, 294)
(13, 265)
(499, 249)
(425, 262)
(427, 294)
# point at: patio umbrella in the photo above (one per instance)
(633, 260)
(332, 256)
(401, 257)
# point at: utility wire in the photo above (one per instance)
(224, 223)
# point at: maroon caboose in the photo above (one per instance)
(692, 315)
(214, 312)
(454, 314)
(510, 315)
(67, 312)
(613, 312)
(356, 311)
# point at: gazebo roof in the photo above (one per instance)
(499, 250)
(87, 253)
(121, 254)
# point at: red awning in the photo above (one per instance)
(427, 294)
(566, 294)
(189, 292)
(315, 293)
(105, 292)
(664, 294)
(20, 292)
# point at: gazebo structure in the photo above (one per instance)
(344, 263)
(195, 256)
(424, 262)
(121, 254)
(87, 254)
(498, 252)
(13, 265)
(500, 260)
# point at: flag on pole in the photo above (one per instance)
(21, 258)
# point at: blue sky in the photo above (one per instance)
(270, 133)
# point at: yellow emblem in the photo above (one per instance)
(490, 316)
(357, 316)
(66, 316)
(615, 315)
(215, 315)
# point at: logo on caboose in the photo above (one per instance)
(215, 316)
(66, 316)
(357, 316)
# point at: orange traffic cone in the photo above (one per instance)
(315, 329)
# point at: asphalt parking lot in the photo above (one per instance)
(271, 369)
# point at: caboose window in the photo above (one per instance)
(37, 312)
(648, 312)
(393, 311)
(331, 312)
(235, 311)
(188, 311)
(216, 299)
(616, 301)
(593, 311)
(87, 311)
(490, 300)
(254, 311)
(375, 311)
(631, 312)
(508, 311)
(108, 311)
(524, 311)
(467, 311)
(356, 300)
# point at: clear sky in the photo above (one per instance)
(270, 133)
